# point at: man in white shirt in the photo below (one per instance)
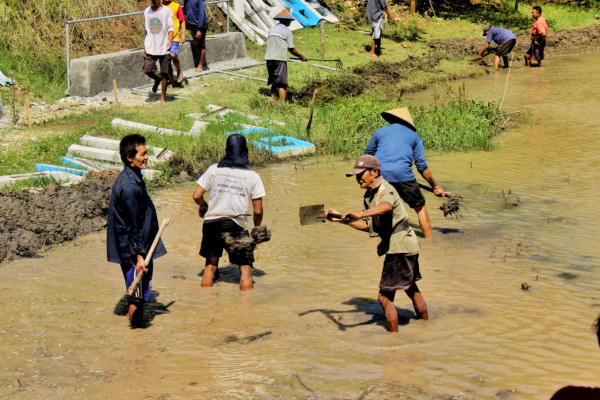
(231, 185)
(158, 21)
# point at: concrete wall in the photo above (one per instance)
(94, 74)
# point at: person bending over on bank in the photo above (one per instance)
(158, 22)
(231, 185)
(132, 224)
(505, 39)
(279, 42)
(396, 146)
(538, 33)
(385, 216)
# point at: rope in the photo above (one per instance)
(507, 76)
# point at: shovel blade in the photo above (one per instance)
(311, 214)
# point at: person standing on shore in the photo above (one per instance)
(231, 185)
(375, 10)
(505, 39)
(132, 224)
(397, 145)
(158, 22)
(197, 23)
(385, 216)
(279, 41)
(178, 22)
(538, 33)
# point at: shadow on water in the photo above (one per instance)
(151, 308)
(366, 306)
(231, 274)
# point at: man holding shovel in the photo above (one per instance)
(397, 145)
(384, 216)
(231, 185)
(279, 42)
(132, 224)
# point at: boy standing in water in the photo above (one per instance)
(132, 224)
(385, 216)
(538, 38)
(231, 185)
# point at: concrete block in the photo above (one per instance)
(9, 180)
(94, 153)
(94, 74)
(196, 129)
(291, 146)
(46, 167)
(159, 154)
(95, 166)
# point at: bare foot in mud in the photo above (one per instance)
(155, 86)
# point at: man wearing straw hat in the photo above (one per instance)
(397, 146)
(231, 184)
(132, 224)
(386, 217)
(279, 42)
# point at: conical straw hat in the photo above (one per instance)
(284, 15)
(401, 116)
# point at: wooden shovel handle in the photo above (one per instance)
(136, 282)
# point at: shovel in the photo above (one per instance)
(314, 214)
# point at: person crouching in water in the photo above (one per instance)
(231, 184)
(386, 217)
(132, 224)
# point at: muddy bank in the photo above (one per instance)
(30, 220)
(564, 42)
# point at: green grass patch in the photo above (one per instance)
(33, 182)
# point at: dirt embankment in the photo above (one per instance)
(32, 220)
(563, 42)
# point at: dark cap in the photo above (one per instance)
(363, 163)
(485, 29)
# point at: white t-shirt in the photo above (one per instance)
(230, 192)
(158, 25)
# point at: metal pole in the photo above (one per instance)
(228, 11)
(68, 66)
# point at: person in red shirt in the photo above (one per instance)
(538, 38)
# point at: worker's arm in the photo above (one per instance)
(257, 209)
(297, 54)
(487, 45)
(389, 14)
(437, 189)
(199, 199)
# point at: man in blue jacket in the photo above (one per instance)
(132, 224)
(397, 146)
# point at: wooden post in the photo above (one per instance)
(116, 91)
(322, 26)
(14, 100)
(414, 6)
(28, 111)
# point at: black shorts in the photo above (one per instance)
(198, 43)
(536, 51)
(213, 241)
(410, 193)
(505, 47)
(150, 63)
(399, 272)
(278, 76)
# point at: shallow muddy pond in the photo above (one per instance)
(312, 327)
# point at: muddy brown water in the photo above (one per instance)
(312, 328)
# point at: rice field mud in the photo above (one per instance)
(312, 328)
